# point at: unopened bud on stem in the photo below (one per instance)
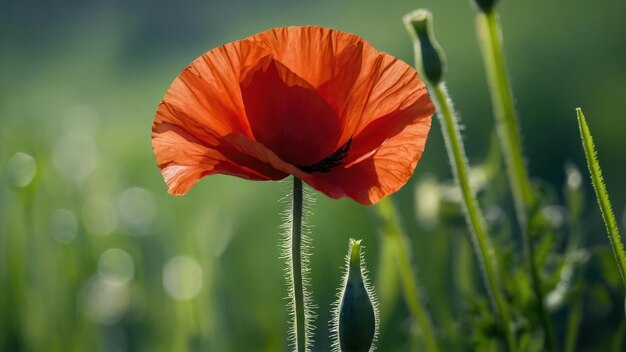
(429, 58)
(355, 316)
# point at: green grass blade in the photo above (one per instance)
(602, 195)
(393, 233)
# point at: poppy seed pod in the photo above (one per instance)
(485, 5)
(355, 316)
(429, 57)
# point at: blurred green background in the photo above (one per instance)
(95, 255)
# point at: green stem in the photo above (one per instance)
(574, 201)
(537, 289)
(602, 195)
(575, 314)
(474, 216)
(393, 233)
(490, 38)
(296, 266)
(506, 121)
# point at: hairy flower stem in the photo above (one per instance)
(490, 38)
(296, 266)
(506, 121)
(460, 168)
(392, 233)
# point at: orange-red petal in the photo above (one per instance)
(271, 104)
(361, 83)
(288, 116)
(385, 171)
(183, 160)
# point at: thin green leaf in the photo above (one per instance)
(602, 195)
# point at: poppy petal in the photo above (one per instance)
(310, 52)
(388, 93)
(287, 115)
(247, 146)
(293, 99)
(360, 83)
(183, 160)
(202, 105)
(384, 127)
(389, 167)
(205, 98)
(329, 60)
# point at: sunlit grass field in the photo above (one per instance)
(95, 255)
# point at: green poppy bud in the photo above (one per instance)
(485, 5)
(429, 57)
(355, 315)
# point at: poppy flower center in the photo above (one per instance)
(331, 161)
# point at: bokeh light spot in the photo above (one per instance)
(75, 156)
(21, 169)
(116, 266)
(137, 211)
(182, 278)
(99, 216)
(574, 179)
(555, 215)
(104, 301)
(63, 226)
(81, 118)
(427, 201)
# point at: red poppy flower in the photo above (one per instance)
(316, 103)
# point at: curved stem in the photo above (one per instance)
(296, 266)
(490, 38)
(460, 168)
(393, 233)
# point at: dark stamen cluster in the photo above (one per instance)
(330, 161)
